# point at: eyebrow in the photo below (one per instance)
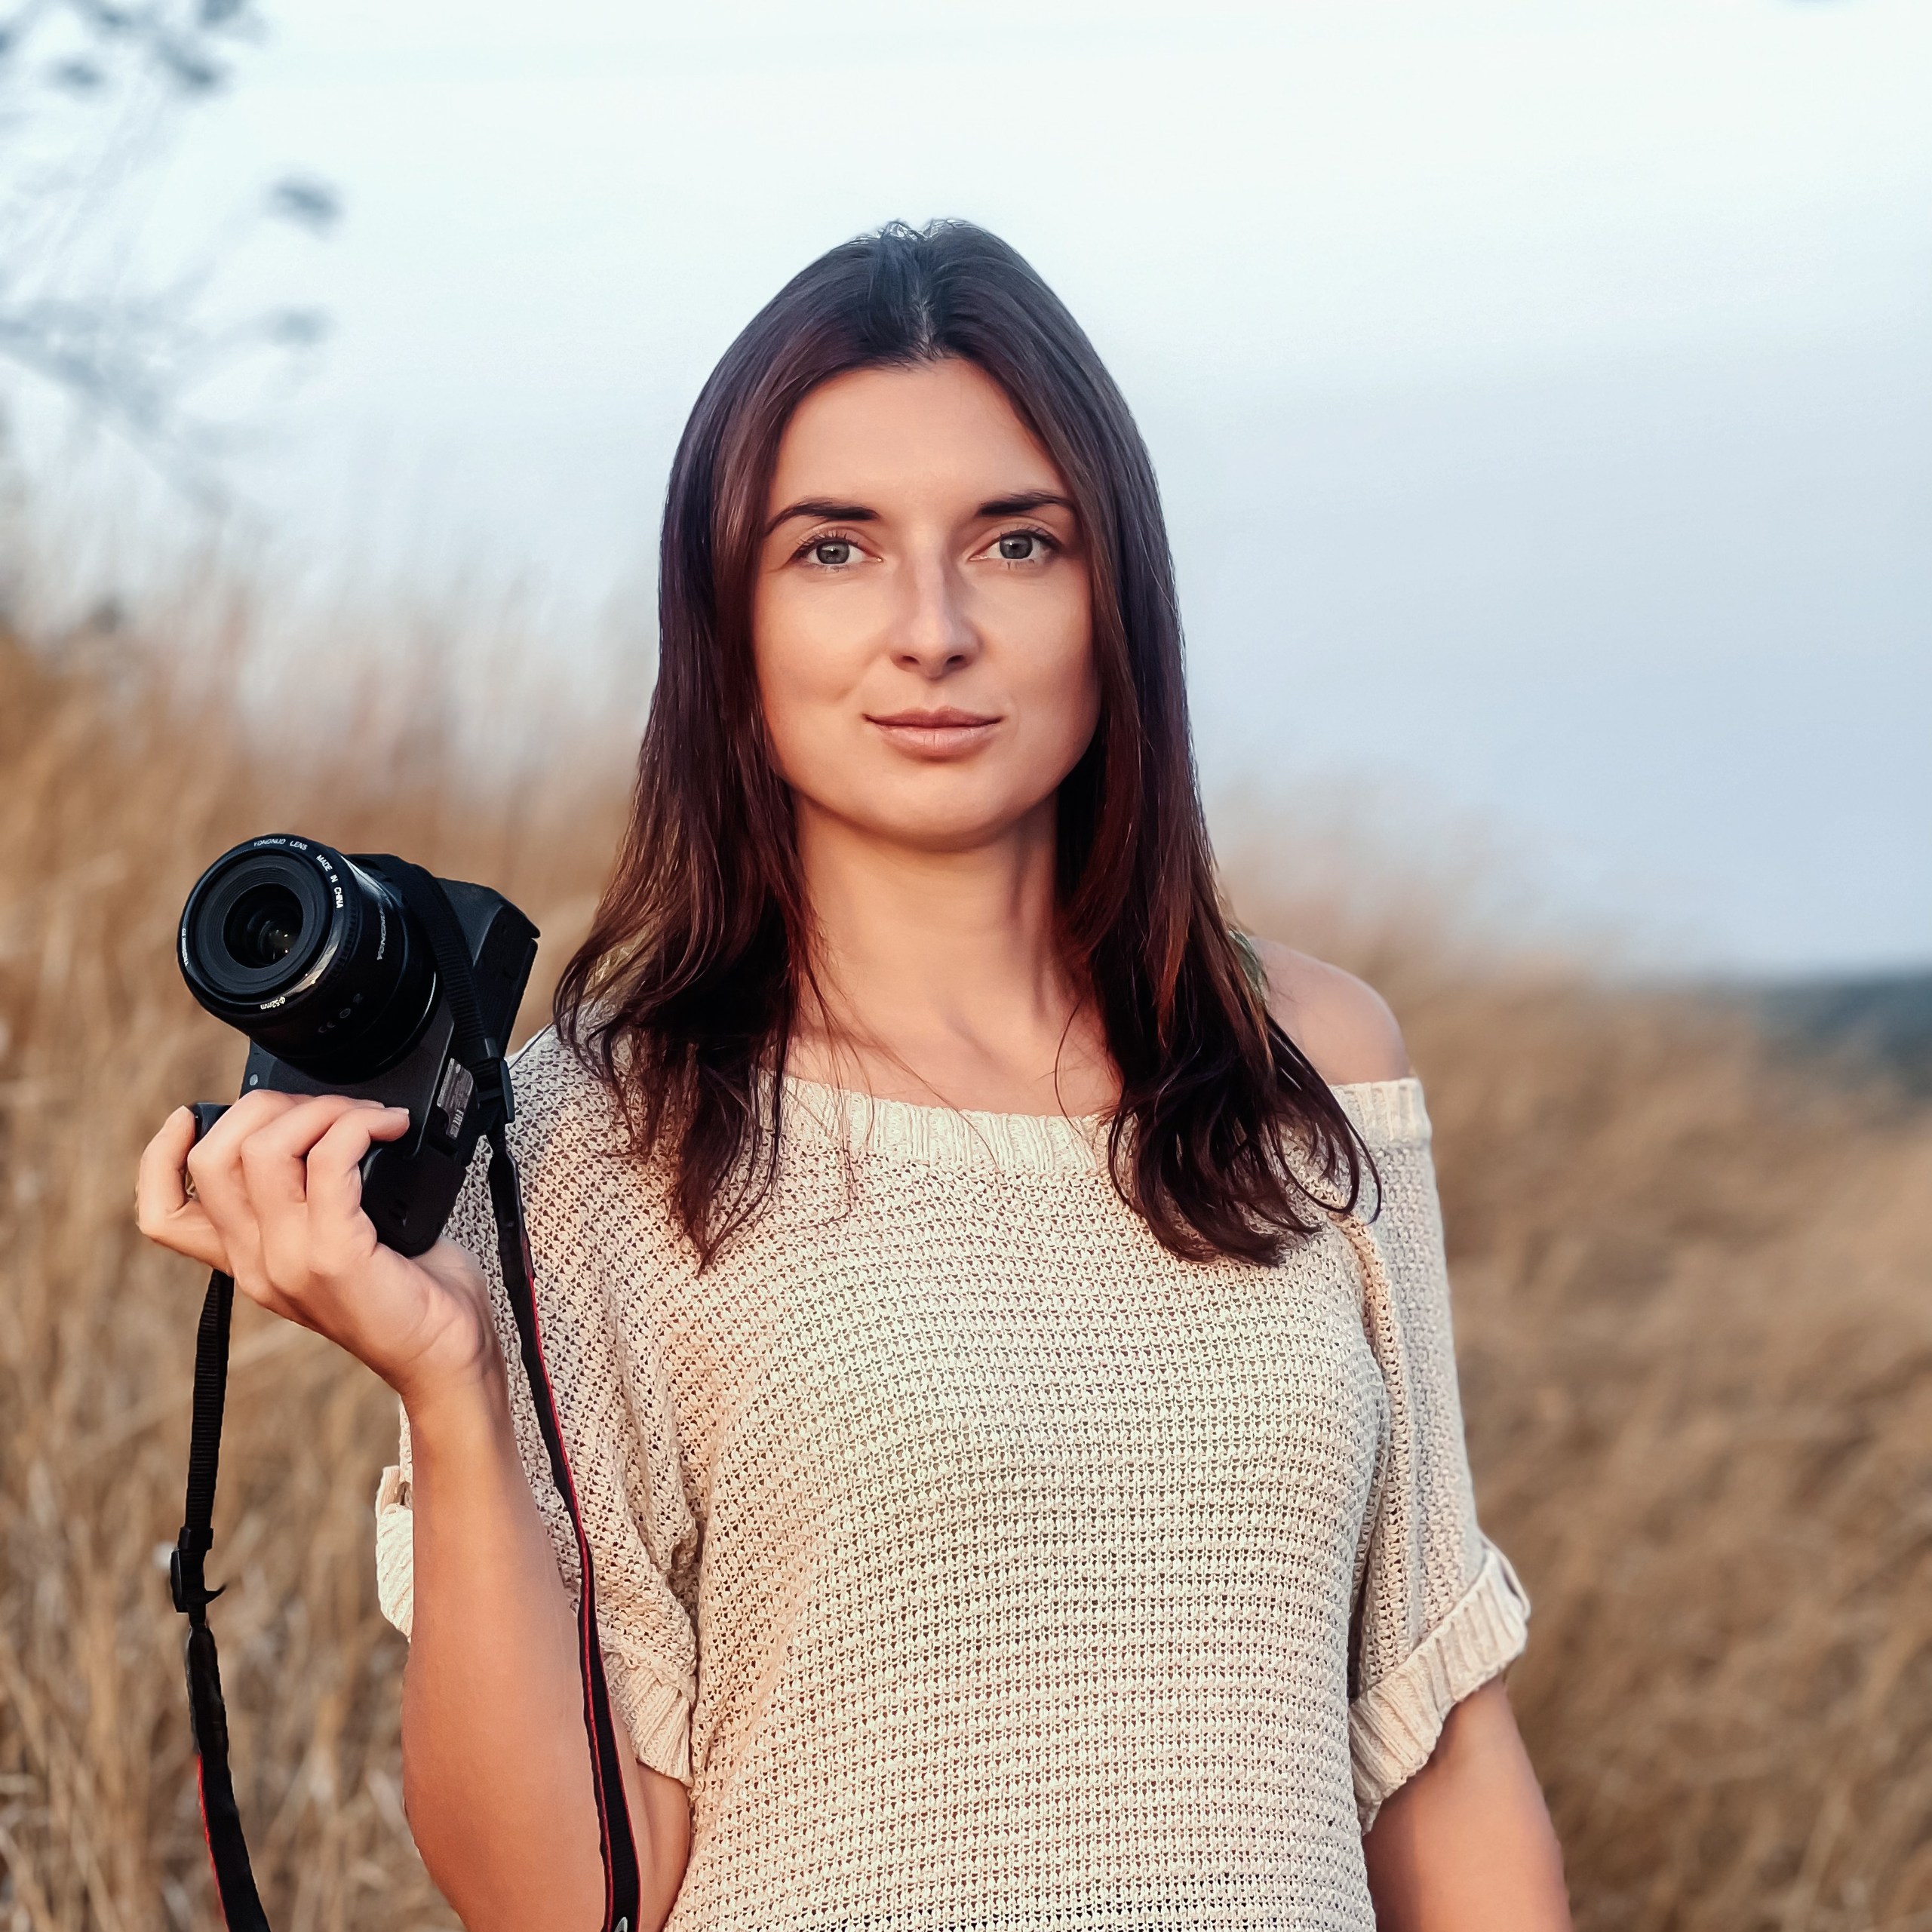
(825, 510)
(1019, 505)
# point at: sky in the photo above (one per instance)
(1541, 393)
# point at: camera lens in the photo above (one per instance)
(264, 926)
(310, 955)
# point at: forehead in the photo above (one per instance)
(874, 434)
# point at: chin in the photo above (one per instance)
(939, 834)
(959, 823)
(938, 808)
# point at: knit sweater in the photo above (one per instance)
(976, 1561)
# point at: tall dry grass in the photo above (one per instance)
(1692, 1308)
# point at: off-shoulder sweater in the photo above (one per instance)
(976, 1561)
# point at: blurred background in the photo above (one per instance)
(1542, 394)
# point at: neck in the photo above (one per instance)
(940, 977)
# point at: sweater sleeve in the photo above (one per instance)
(1439, 1610)
(619, 1428)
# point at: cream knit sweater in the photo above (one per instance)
(975, 1562)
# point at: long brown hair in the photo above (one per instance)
(684, 997)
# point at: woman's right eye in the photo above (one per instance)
(831, 551)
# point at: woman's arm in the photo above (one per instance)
(1466, 1845)
(496, 1766)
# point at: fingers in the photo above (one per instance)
(310, 1196)
(163, 1211)
(215, 1156)
(159, 1190)
(250, 1175)
(335, 1161)
(275, 1157)
(268, 1180)
(214, 1165)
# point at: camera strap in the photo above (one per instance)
(482, 1058)
(221, 1819)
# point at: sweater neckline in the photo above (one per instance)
(1386, 1113)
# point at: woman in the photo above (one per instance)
(998, 1313)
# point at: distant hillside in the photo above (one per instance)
(1883, 1020)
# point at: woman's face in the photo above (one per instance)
(922, 622)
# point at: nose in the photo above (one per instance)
(934, 633)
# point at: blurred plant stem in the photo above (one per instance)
(89, 91)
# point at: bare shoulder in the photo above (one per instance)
(1343, 1025)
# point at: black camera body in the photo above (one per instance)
(323, 959)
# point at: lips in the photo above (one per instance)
(945, 732)
(945, 719)
(934, 737)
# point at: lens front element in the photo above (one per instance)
(257, 924)
(262, 929)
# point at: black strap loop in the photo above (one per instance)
(185, 1579)
(221, 1818)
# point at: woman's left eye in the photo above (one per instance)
(1021, 546)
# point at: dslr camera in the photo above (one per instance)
(326, 960)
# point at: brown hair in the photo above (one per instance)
(685, 993)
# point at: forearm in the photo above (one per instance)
(1466, 1845)
(496, 1767)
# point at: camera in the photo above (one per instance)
(326, 961)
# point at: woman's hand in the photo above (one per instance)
(277, 1203)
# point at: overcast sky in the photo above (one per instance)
(1542, 393)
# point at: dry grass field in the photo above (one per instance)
(1693, 1310)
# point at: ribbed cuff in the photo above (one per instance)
(395, 1552)
(1394, 1724)
(1389, 1114)
(657, 1714)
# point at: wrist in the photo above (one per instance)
(458, 1405)
(450, 1358)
